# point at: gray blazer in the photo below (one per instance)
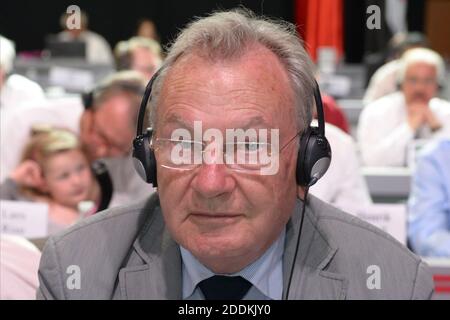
(127, 253)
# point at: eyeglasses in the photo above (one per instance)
(245, 156)
(114, 147)
(424, 81)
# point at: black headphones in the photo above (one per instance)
(314, 155)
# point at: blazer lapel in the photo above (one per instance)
(154, 268)
(310, 279)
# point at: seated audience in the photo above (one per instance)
(139, 54)
(429, 203)
(54, 170)
(387, 126)
(15, 89)
(110, 108)
(19, 262)
(98, 50)
(343, 185)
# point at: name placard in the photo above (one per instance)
(390, 218)
(26, 219)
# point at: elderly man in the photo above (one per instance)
(107, 127)
(220, 230)
(388, 125)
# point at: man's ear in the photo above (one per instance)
(86, 121)
(301, 192)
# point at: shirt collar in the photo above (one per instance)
(266, 273)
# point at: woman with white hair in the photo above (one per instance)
(389, 125)
(15, 89)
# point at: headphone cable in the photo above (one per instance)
(297, 244)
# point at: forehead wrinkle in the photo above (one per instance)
(190, 82)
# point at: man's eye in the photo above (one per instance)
(251, 146)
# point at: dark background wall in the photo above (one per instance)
(28, 21)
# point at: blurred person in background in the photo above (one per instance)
(98, 50)
(429, 203)
(384, 80)
(107, 128)
(139, 54)
(55, 170)
(334, 114)
(19, 263)
(14, 89)
(389, 125)
(146, 28)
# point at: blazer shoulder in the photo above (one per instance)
(339, 225)
(363, 249)
(101, 242)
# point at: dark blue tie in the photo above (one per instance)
(224, 288)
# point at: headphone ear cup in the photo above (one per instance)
(88, 99)
(144, 159)
(314, 157)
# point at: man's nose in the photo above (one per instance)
(213, 180)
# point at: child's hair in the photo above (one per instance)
(46, 142)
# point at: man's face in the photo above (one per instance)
(226, 218)
(420, 83)
(110, 131)
(145, 62)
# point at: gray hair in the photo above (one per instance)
(227, 35)
(422, 55)
(129, 83)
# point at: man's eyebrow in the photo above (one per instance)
(247, 124)
(176, 119)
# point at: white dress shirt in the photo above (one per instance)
(98, 50)
(343, 185)
(384, 133)
(18, 90)
(382, 82)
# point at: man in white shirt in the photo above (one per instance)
(343, 184)
(387, 126)
(14, 89)
(98, 50)
(384, 80)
